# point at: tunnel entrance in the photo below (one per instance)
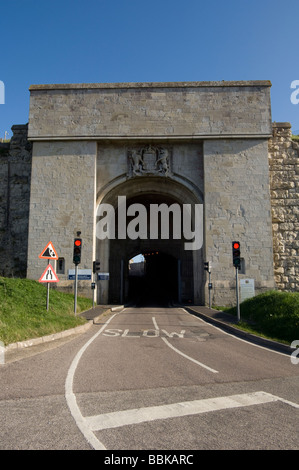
(172, 272)
(154, 279)
(168, 268)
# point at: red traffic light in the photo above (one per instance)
(77, 251)
(236, 254)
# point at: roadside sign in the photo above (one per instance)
(247, 289)
(49, 275)
(103, 276)
(49, 252)
(83, 274)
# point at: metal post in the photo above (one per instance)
(209, 289)
(237, 293)
(179, 282)
(48, 295)
(76, 289)
(93, 290)
(121, 281)
(48, 292)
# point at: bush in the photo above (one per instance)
(274, 313)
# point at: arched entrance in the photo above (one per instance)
(155, 281)
(172, 273)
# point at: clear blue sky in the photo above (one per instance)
(74, 41)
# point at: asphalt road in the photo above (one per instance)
(150, 378)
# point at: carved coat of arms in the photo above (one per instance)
(149, 160)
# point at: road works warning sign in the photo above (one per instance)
(49, 275)
(49, 252)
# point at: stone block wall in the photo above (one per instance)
(150, 110)
(237, 207)
(62, 202)
(284, 181)
(15, 177)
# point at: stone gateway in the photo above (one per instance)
(173, 145)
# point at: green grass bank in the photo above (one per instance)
(274, 315)
(23, 313)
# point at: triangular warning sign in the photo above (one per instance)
(49, 252)
(49, 275)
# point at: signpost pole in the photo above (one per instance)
(76, 288)
(237, 293)
(48, 295)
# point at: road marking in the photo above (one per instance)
(155, 323)
(177, 410)
(234, 336)
(71, 398)
(150, 333)
(183, 354)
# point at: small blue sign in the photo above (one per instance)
(83, 275)
(103, 276)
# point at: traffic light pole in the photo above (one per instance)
(207, 267)
(76, 289)
(237, 294)
(209, 289)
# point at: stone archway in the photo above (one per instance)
(183, 269)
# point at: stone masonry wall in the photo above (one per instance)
(237, 207)
(150, 110)
(62, 202)
(284, 181)
(15, 177)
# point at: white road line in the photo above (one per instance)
(183, 354)
(155, 323)
(234, 336)
(177, 410)
(71, 398)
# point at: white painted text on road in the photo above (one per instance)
(150, 333)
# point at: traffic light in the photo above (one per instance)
(207, 266)
(77, 251)
(96, 266)
(236, 255)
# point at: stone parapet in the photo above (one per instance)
(178, 110)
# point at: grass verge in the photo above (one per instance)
(273, 315)
(23, 313)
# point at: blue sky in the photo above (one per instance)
(94, 41)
